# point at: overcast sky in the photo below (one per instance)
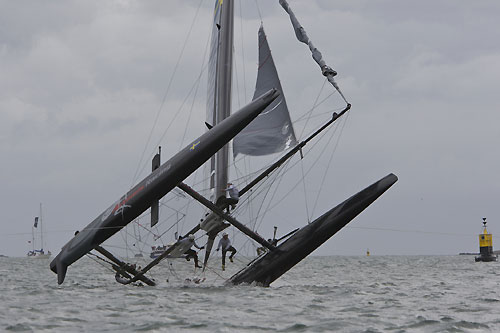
(81, 83)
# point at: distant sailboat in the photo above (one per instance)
(34, 252)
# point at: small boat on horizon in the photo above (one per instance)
(34, 252)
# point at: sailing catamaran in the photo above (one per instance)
(263, 127)
(34, 252)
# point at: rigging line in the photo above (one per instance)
(137, 241)
(329, 162)
(285, 168)
(410, 231)
(256, 191)
(321, 114)
(99, 263)
(190, 113)
(116, 247)
(305, 191)
(266, 186)
(166, 94)
(172, 270)
(123, 233)
(279, 176)
(313, 107)
(190, 202)
(317, 105)
(172, 121)
(265, 192)
(318, 115)
(258, 10)
(275, 177)
(307, 172)
(246, 180)
(149, 231)
(168, 229)
(214, 271)
(92, 255)
(197, 86)
(176, 213)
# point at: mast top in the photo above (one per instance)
(484, 226)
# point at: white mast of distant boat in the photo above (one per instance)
(41, 227)
(40, 254)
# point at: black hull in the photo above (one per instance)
(266, 269)
(486, 258)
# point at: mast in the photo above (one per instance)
(41, 228)
(223, 90)
(33, 236)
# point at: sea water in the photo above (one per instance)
(321, 294)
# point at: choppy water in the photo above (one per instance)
(322, 294)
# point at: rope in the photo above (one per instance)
(175, 117)
(196, 91)
(321, 184)
(258, 10)
(91, 255)
(134, 179)
(313, 108)
(305, 191)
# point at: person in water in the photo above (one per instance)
(225, 244)
(190, 253)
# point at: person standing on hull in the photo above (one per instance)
(191, 253)
(225, 243)
(233, 196)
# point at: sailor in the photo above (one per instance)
(225, 243)
(233, 195)
(121, 279)
(190, 253)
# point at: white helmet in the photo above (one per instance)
(224, 234)
(191, 236)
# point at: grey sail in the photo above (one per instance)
(272, 131)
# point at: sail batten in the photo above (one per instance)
(272, 131)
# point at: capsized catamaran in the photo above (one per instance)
(156, 185)
(261, 128)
